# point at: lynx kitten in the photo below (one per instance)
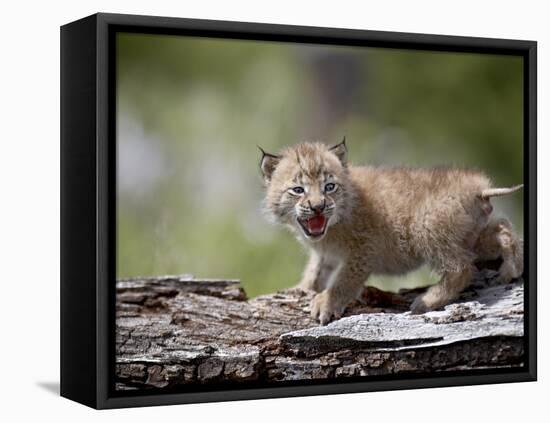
(363, 220)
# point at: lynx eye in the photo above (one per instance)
(330, 187)
(297, 190)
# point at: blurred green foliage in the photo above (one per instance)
(190, 112)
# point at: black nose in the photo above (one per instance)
(319, 207)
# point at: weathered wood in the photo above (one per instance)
(176, 330)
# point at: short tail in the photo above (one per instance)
(497, 192)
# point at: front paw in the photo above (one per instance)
(324, 307)
(418, 306)
(507, 273)
(428, 302)
(304, 286)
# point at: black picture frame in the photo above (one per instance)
(88, 197)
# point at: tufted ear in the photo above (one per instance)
(341, 151)
(268, 163)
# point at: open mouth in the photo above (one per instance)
(314, 226)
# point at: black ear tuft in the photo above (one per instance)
(341, 151)
(268, 163)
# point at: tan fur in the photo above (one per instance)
(385, 221)
(499, 240)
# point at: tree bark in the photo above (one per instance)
(173, 331)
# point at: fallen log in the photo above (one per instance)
(176, 330)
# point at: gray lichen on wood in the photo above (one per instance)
(176, 330)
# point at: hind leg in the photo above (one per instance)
(446, 290)
(499, 240)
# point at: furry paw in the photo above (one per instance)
(424, 303)
(418, 306)
(306, 286)
(507, 273)
(324, 308)
(504, 278)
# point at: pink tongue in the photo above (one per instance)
(316, 224)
